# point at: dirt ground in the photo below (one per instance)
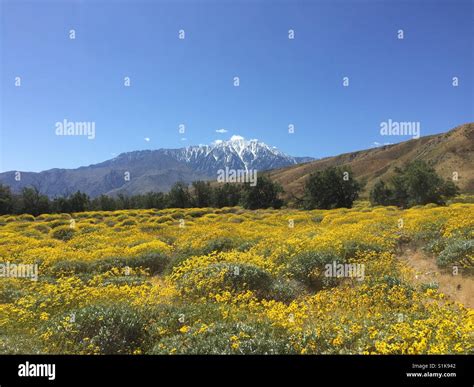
(456, 287)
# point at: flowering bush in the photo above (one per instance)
(232, 281)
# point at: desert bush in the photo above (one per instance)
(218, 245)
(226, 338)
(63, 233)
(26, 218)
(127, 223)
(308, 267)
(457, 252)
(226, 276)
(58, 223)
(43, 228)
(352, 247)
(99, 329)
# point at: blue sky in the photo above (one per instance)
(190, 81)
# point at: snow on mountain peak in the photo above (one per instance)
(236, 153)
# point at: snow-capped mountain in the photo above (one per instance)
(236, 153)
(155, 170)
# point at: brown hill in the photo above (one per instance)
(447, 152)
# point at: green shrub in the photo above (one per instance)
(430, 285)
(352, 247)
(227, 276)
(435, 246)
(245, 246)
(169, 319)
(15, 342)
(88, 229)
(226, 338)
(63, 233)
(26, 218)
(129, 222)
(218, 245)
(155, 262)
(285, 290)
(58, 223)
(457, 252)
(104, 329)
(43, 228)
(69, 267)
(317, 218)
(11, 290)
(130, 280)
(308, 267)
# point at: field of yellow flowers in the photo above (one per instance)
(233, 281)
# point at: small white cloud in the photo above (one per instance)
(147, 139)
(377, 144)
(183, 139)
(221, 130)
(217, 142)
(236, 138)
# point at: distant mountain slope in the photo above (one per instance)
(447, 152)
(154, 170)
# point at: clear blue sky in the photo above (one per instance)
(190, 81)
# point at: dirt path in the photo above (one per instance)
(456, 287)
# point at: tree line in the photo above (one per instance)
(416, 183)
(30, 200)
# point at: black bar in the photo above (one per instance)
(245, 370)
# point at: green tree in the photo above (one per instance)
(202, 194)
(381, 194)
(264, 194)
(104, 203)
(415, 184)
(79, 202)
(33, 202)
(227, 195)
(179, 196)
(154, 200)
(331, 188)
(6, 200)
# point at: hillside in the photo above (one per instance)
(447, 152)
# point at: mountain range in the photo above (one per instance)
(155, 170)
(450, 153)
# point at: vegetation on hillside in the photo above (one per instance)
(233, 281)
(416, 184)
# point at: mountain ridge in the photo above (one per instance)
(157, 170)
(447, 152)
(154, 169)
